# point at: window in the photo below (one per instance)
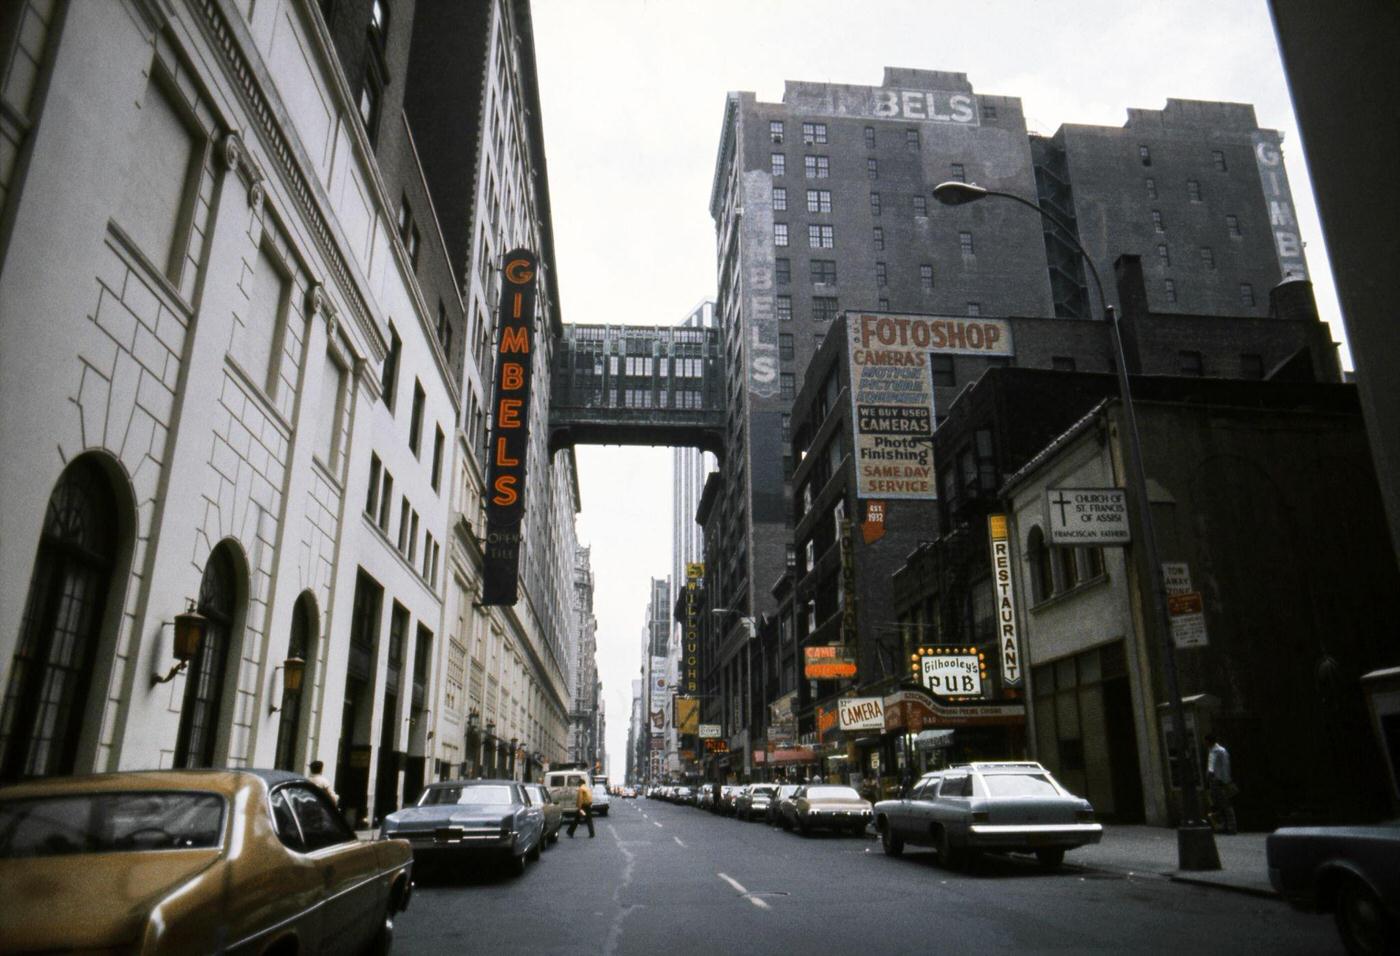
(1193, 190)
(926, 277)
(884, 304)
(920, 205)
(778, 164)
(1042, 574)
(320, 827)
(780, 234)
(1157, 225)
(1169, 288)
(821, 237)
(874, 204)
(408, 231)
(1208, 257)
(256, 325)
(965, 243)
(1252, 366)
(389, 374)
(775, 130)
(879, 238)
(204, 680)
(439, 440)
(1062, 363)
(785, 308)
(782, 271)
(386, 501)
(330, 412)
(819, 200)
(989, 112)
(157, 182)
(370, 95)
(787, 385)
(1246, 294)
(974, 308)
(1232, 225)
(1145, 155)
(1151, 185)
(785, 349)
(289, 721)
(814, 133)
(415, 422)
(959, 173)
(942, 368)
(1189, 363)
(816, 167)
(824, 308)
(824, 271)
(372, 498)
(881, 275)
(1164, 254)
(404, 512)
(779, 199)
(444, 329)
(870, 137)
(1217, 157)
(872, 168)
(911, 140)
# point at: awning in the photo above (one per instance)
(933, 739)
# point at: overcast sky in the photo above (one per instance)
(633, 94)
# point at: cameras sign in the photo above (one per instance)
(862, 713)
(951, 671)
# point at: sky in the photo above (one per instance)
(632, 96)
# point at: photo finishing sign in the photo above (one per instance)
(510, 430)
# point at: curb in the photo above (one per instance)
(1178, 877)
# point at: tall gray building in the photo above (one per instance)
(823, 203)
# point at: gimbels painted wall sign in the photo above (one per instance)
(510, 430)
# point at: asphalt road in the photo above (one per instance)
(664, 880)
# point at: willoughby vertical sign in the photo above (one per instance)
(510, 430)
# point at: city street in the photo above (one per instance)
(664, 879)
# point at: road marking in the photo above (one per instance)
(656, 823)
(743, 892)
(678, 841)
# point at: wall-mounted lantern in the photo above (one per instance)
(189, 632)
(293, 670)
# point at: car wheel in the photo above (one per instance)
(515, 866)
(890, 842)
(949, 856)
(383, 940)
(803, 826)
(1362, 921)
(554, 837)
(1050, 858)
(858, 829)
(786, 824)
(533, 853)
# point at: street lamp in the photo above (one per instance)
(750, 625)
(1195, 842)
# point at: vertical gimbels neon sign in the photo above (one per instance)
(510, 430)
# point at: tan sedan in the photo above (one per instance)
(833, 806)
(195, 861)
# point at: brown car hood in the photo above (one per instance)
(88, 900)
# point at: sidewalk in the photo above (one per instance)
(1144, 849)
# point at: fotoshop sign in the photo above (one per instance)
(862, 713)
(892, 393)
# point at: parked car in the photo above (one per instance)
(1012, 806)
(601, 800)
(724, 803)
(752, 802)
(466, 821)
(832, 806)
(684, 795)
(774, 816)
(705, 799)
(563, 787)
(553, 814)
(1352, 872)
(192, 861)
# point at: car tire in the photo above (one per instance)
(1051, 857)
(786, 824)
(554, 837)
(533, 853)
(891, 842)
(949, 856)
(1362, 921)
(515, 866)
(804, 827)
(858, 829)
(383, 940)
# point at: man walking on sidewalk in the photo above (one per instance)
(1222, 784)
(585, 809)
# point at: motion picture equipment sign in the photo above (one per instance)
(510, 431)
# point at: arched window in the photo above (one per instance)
(1042, 573)
(204, 684)
(298, 645)
(47, 691)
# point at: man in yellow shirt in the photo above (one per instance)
(585, 809)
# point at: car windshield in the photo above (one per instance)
(110, 823)
(491, 794)
(1019, 785)
(832, 793)
(764, 791)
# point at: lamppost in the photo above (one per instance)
(751, 626)
(1195, 842)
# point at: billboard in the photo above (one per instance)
(687, 714)
(510, 430)
(892, 411)
(829, 662)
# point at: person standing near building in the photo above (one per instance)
(319, 778)
(585, 809)
(1221, 781)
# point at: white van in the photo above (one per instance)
(563, 787)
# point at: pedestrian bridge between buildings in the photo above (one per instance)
(638, 385)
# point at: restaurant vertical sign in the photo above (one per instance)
(510, 430)
(1005, 589)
